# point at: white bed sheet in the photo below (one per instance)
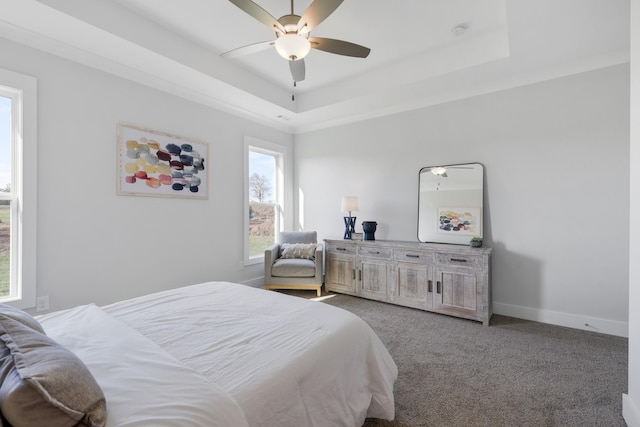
(143, 385)
(286, 361)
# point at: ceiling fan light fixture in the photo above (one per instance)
(293, 46)
(439, 170)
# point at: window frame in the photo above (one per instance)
(280, 153)
(22, 90)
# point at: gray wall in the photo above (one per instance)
(94, 246)
(557, 188)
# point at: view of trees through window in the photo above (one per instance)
(262, 201)
(5, 241)
(5, 193)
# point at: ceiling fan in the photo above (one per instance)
(293, 41)
(442, 170)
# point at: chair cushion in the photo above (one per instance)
(299, 250)
(293, 267)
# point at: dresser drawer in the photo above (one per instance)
(338, 248)
(459, 260)
(374, 252)
(412, 255)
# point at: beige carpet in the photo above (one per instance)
(455, 372)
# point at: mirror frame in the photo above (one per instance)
(454, 218)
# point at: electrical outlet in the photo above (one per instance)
(42, 304)
(240, 265)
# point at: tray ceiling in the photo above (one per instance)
(416, 59)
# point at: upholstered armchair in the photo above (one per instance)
(295, 262)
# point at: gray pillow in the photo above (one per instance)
(21, 316)
(43, 383)
(299, 250)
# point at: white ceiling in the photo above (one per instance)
(394, 33)
(415, 58)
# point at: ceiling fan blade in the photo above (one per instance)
(339, 47)
(317, 12)
(258, 13)
(297, 70)
(248, 49)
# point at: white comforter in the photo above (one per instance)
(143, 384)
(285, 361)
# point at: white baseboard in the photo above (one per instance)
(610, 327)
(630, 411)
(256, 282)
(593, 324)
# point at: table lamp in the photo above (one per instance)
(349, 204)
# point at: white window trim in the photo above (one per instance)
(22, 89)
(254, 144)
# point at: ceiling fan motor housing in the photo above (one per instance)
(290, 23)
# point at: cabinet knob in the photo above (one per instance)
(457, 260)
(412, 256)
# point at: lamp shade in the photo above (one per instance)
(293, 46)
(349, 204)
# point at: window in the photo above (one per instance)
(17, 189)
(7, 199)
(263, 197)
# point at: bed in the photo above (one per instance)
(228, 355)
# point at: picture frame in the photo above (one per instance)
(461, 221)
(158, 164)
(357, 236)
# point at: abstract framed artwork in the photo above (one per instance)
(158, 164)
(460, 221)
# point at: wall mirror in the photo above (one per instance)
(450, 203)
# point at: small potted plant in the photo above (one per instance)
(476, 242)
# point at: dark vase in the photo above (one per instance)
(369, 228)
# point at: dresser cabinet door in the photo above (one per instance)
(413, 285)
(372, 278)
(340, 274)
(457, 291)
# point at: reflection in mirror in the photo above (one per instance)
(450, 203)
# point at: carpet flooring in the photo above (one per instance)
(455, 372)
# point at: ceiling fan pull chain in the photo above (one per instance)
(293, 91)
